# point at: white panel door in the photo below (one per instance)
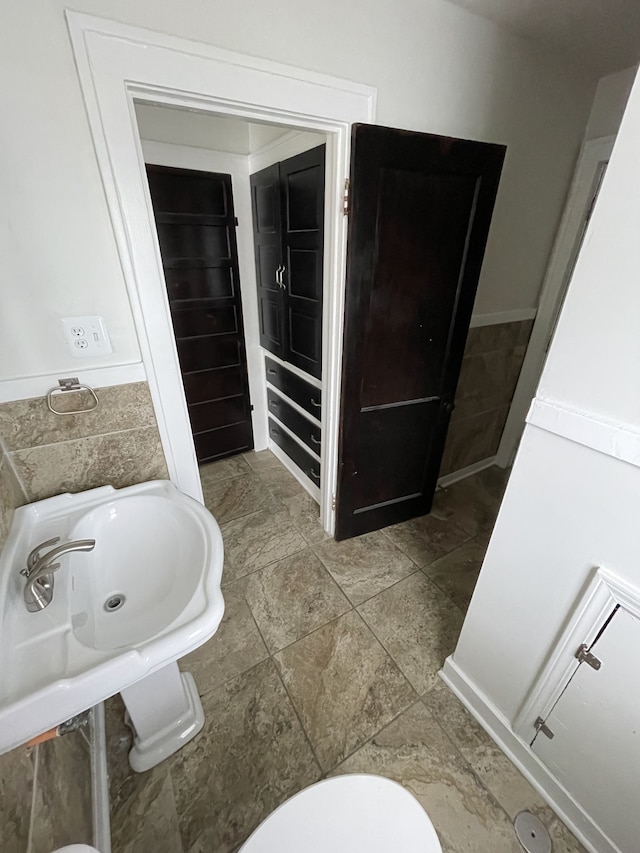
(595, 750)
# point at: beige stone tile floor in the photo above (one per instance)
(326, 662)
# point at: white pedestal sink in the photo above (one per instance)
(121, 614)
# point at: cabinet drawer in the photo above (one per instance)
(302, 392)
(305, 461)
(306, 431)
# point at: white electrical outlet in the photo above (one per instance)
(86, 336)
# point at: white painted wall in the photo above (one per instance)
(437, 68)
(573, 497)
(236, 165)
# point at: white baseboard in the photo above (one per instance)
(518, 751)
(100, 781)
(516, 315)
(475, 468)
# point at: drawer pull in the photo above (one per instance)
(314, 475)
(315, 403)
(275, 432)
(271, 371)
(315, 440)
(274, 403)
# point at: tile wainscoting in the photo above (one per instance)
(45, 791)
(491, 365)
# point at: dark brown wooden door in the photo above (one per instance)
(302, 188)
(420, 209)
(267, 239)
(196, 225)
(288, 225)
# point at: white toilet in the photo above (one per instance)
(345, 814)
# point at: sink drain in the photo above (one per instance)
(114, 602)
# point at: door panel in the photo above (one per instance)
(595, 749)
(420, 209)
(423, 221)
(302, 188)
(208, 353)
(196, 231)
(265, 202)
(200, 282)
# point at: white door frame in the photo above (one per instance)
(118, 63)
(593, 154)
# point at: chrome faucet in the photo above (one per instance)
(38, 591)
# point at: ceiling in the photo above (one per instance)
(602, 35)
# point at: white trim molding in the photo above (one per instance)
(604, 592)
(519, 752)
(594, 153)
(616, 440)
(96, 377)
(469, 471)
(118, 64)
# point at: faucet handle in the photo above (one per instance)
(34, 556)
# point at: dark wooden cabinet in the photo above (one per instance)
(196, 223)
(295, 407)
(309, 466)
(288, 223)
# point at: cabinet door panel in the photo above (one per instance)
(302, 188)
(267, 238)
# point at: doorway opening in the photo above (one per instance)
(223, 240)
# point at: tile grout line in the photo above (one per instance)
(79, 438)
(284, 686)
(467, 764)
(372, 737)
(36, 767)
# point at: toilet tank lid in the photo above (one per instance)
(347, 814)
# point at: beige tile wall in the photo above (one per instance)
(45, 792)
(490, 368)
(117, 444)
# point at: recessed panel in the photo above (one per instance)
(182, 192)
(218, 413)
(420, 256)
(217, 443)
(390, 470)
(266, 200)
(267, 258)
(270, 321)
(303, 336)
(205, 353)
(203, 319)
(303, 208)
(304, 273)
(210, 384)
(199, 283)
(180, 243)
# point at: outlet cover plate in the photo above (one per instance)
(87, 336)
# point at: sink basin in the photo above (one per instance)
(147, 594)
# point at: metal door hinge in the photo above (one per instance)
(333, 502)
(541, 726)
(585, 656)
(345, 198)
(235, 220)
